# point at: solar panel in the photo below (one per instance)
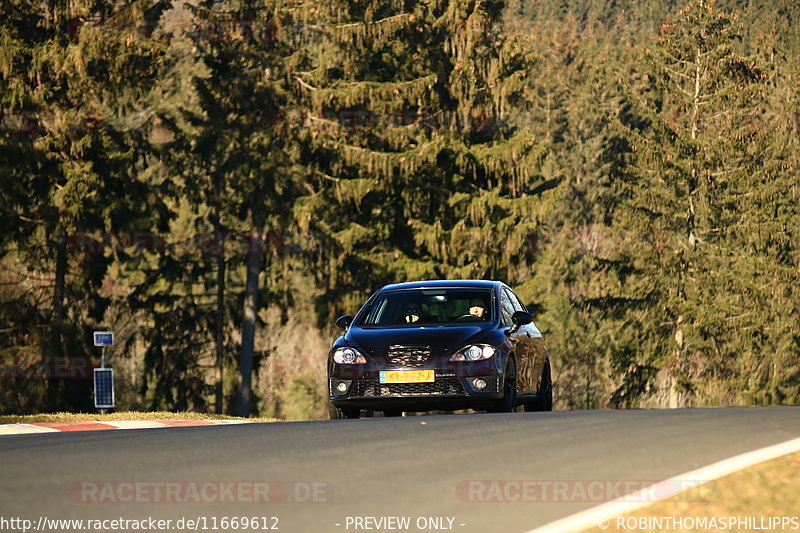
(103, 388)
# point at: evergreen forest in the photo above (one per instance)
(215, 181)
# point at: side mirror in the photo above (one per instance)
(521, 318)
(344, 321)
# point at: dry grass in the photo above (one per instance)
(757, 493)
(126, 415)
(292, 382)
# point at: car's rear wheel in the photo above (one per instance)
(544, 393)
(339, 414)
(508, 402)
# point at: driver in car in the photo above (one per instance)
(477, 308)
(412, 314)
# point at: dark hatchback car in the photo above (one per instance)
(439, 345)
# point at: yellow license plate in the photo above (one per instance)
(406, 376)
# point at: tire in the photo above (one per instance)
(544, 393)
(341, 414)
(392, 412)
(508, 402)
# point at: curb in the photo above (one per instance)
(58, 427)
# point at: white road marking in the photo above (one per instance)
(666, 489)
(19, 429)
(133, 424)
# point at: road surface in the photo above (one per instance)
(331, 476)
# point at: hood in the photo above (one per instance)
(441, 339)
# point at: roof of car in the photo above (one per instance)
(439, 283)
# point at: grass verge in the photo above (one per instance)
(755, 497)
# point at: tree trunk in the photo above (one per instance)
(56, 326)
(218, 338)
(254, 253)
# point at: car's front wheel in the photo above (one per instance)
(544, 393)
(339, 414)
(508, 402)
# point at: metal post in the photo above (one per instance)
(103, 365)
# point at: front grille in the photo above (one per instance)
(371, 388)
(407, 356)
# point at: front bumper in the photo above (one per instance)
(447, 391)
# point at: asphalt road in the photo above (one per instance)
(325, 472)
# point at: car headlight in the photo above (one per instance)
(348, 356)
(476, 352)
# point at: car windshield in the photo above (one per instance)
(428, 306)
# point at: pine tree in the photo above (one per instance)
(74, 69)
(420, 173)
(243, 147)
(698, 197)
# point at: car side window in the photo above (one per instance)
(506, 308)
(515, 301)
